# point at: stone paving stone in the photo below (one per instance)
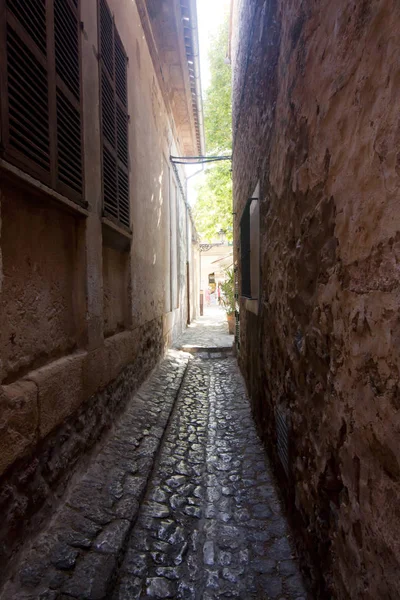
(209, 332)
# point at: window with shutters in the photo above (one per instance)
(40, 81)
(114, 119)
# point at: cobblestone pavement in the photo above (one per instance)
(211, 525)
(175, 505)
(77, 555)
(209, 331)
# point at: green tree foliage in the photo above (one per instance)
(213, 208)
(228, 290)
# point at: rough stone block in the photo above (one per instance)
(208, 553)
(159, 587)
(121, 350)
(64, 557)
(112, 537)
(92, 577)
(130, 588)
(18, 421)
(96, 372)
(60, 390)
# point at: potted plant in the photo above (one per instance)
(228, 299)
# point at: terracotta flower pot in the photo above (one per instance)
(231, 323)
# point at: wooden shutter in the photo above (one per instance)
(114, 119)
(25, 86)
(41, 115)
(68, 97)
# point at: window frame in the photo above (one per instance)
(54, 83)
(105, 144)
(250, 252)
(245, 270)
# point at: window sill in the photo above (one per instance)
(251, 304)
(116, 237)
(35, 186)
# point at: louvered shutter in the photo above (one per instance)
(68, 95)
(41, 116)
(114, 120)
(25, 86)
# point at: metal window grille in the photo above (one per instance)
(282, 437)
(237, 315)
(245, 251)
(114, 119)
(40, 79)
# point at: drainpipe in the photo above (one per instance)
(190, 242)
(199, 97)
(196, 68)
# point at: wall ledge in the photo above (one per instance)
(22, 179)
(251, 304)
(115, 236)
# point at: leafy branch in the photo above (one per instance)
(213, 208)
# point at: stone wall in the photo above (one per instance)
(316, 123)
(116, 288)
(31, 487)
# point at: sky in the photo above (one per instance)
(210, 14)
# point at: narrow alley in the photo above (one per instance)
(177, 502)
(159, 158)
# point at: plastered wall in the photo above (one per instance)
(40, 318)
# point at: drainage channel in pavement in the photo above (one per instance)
(211, 525)
(178, 503)
(78, 554)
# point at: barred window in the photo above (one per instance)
(250, 247)
(245, 251)
(40, 80)
(114, 119)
